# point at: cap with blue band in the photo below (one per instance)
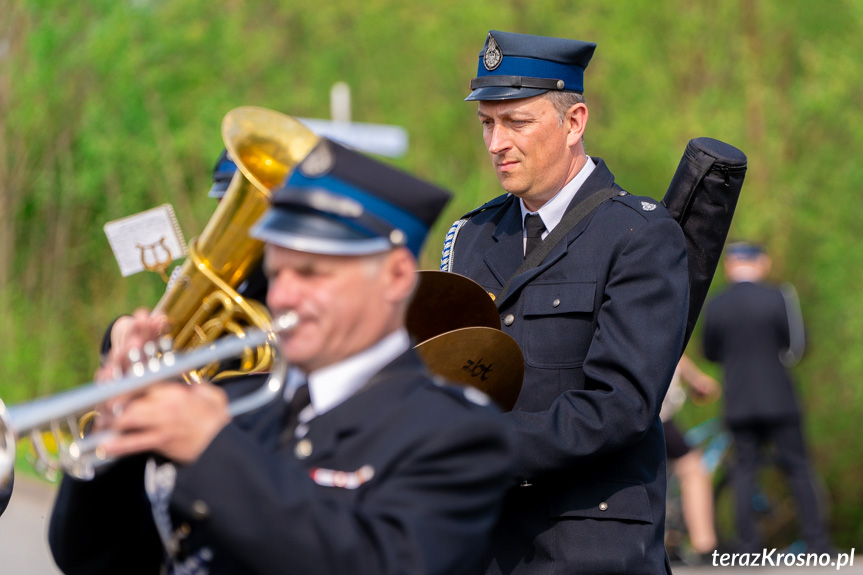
(520, 66)
(744, 250)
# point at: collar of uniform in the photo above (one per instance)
(333, 384)
(553, 210)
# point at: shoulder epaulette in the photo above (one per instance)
(493, 203)
(446, 259)
(644, 205)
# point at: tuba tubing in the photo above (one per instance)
(81, 456)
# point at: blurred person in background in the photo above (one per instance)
(754, 330)
(696, 483)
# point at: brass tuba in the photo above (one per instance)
(201, 299)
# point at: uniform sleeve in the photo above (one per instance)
(630, 362)
(104, 525)
(429, 514)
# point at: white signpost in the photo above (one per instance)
(381, 139)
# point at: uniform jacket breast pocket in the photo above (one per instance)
(558, 323)
(604, 500)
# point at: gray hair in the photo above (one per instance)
(563, 101)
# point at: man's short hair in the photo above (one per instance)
(563, 101)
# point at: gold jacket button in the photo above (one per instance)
(508, 319)
(200, 510)
(603, 506)
(303, 449)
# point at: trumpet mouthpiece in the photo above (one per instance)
(286, 322)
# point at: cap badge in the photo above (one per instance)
(493, 56)
(647, 206)
(319, 161)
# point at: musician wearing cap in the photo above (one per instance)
(367, 465)
(599, 312)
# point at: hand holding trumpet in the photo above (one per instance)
(172, 418)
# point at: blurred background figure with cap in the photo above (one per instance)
(367, 465)
(600, 319)
(223, 173)
(255, 285)
(755, 331)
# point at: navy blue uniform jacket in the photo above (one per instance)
(440, 466)
(601, 324)
(746, 329)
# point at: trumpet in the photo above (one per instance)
(81, 455)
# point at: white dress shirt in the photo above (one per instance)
(553, 210)
(333, 384)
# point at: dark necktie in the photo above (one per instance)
(299, 402)
(534, 227)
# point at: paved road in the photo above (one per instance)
(24, 549)
(23, 528)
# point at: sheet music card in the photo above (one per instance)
(149, 240)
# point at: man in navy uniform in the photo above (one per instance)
(755, 331)
(375, 467)
(600, 321)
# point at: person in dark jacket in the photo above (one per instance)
(369, 465)
(755, 331)
(600, 320)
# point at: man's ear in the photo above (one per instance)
(400, 275)
(576, 118)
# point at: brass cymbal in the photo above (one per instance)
(482, 357)
(445, 301)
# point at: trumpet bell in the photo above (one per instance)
(7, 446)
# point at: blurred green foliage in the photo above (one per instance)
(110, 107)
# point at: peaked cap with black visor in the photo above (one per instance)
(513, 66)
(744, 250)
(340, 202)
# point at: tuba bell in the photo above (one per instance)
(201, 300)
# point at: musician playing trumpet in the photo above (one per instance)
(367, 465)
